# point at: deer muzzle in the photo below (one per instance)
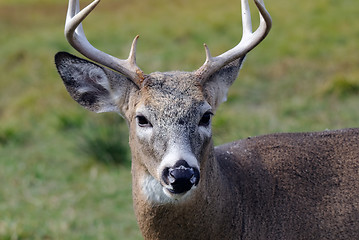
(180, 178)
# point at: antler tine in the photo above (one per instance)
(75, 35)
(249, 41)
(246, 18)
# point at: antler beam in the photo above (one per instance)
(249, 41)
(75, 35)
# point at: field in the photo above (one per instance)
(65, 172)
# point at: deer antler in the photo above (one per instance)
(75, 35)
(249, 41)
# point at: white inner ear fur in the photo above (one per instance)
(222, 95)
(219, 85)
(220, 92)
(99, 76)
(108, 103)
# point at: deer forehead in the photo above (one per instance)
(172, 95)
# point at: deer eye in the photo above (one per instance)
(206, 119)
(142, 121)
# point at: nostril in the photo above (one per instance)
(165, 176)
(181, 172)
(171, 177)
(181, 177)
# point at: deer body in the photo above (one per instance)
(279, 186)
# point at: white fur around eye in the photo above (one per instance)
(144, 133)
(205, 131)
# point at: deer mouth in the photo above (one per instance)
(180, 178)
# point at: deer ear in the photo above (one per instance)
(216, 87)
(96, 88)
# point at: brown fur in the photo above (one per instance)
(279, 186)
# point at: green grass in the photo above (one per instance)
(61, 174)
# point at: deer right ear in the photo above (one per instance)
(216, 87)
(96, 88)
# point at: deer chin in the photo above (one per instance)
(169, 192)
(153, 190)
(158, 192)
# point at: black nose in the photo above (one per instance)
(181, 177)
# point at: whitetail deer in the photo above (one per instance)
(278, 186)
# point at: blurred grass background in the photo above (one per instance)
(65, 172)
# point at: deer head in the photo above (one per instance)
(168, 114)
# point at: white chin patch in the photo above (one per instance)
(177, 196)
(156, 193)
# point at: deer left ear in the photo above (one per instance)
(216, 87)
(96, 88)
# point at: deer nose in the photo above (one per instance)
(181, 177)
